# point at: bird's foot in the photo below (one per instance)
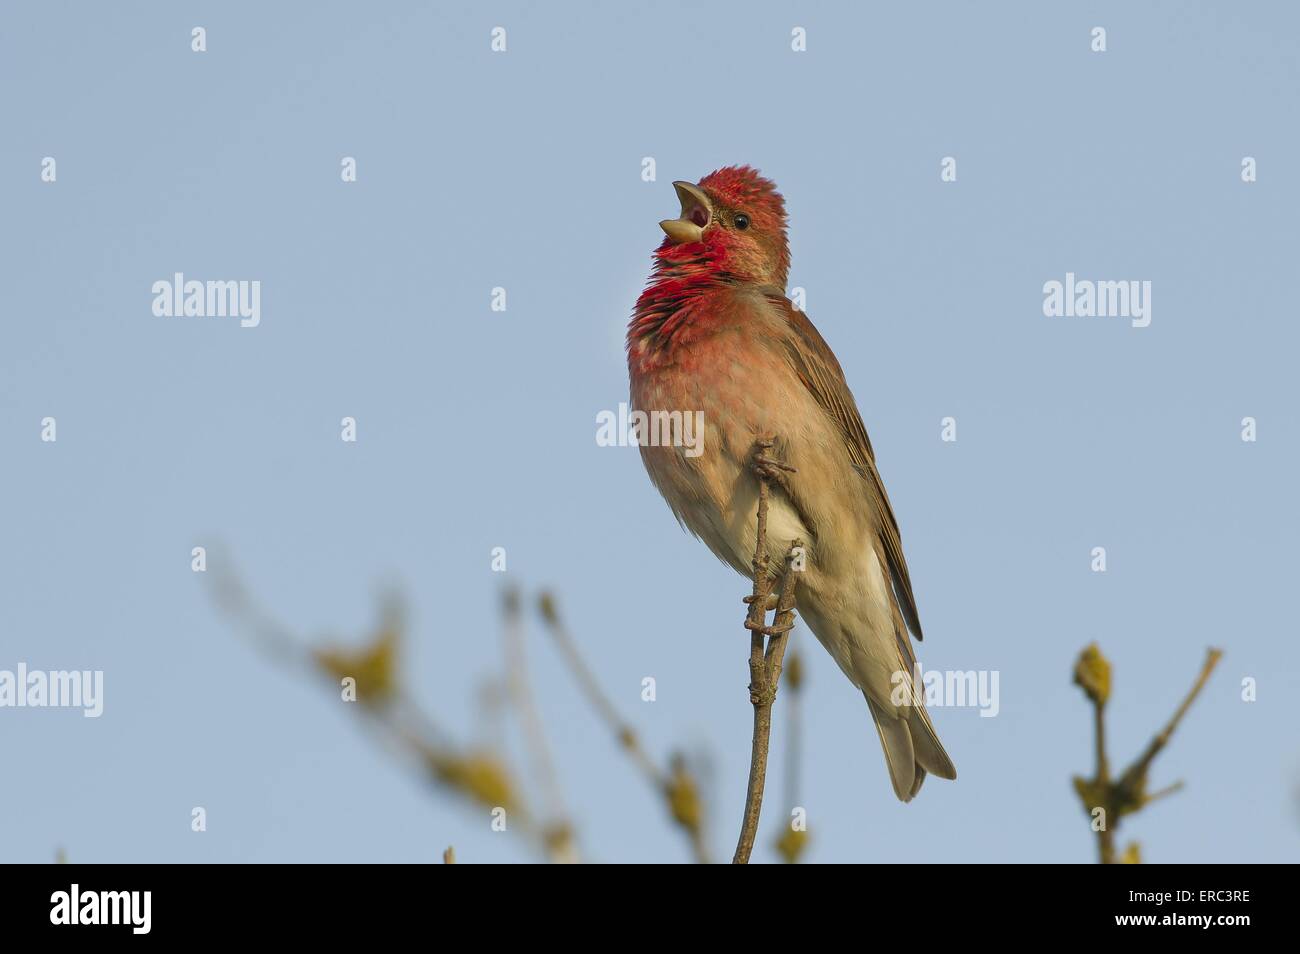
(767, 467)
(773, 630)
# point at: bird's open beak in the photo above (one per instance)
(697, 213)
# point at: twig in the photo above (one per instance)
(1127, 794)
(477, 776)
(1167, 790)
(792, 842)
(590, 687)
(1136, 773)
(793, 748)
(1105, 835)
(677, 785)
(765, 661)
(559, 834)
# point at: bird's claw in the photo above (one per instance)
(774, 630)
(762, 461)
(769, 468)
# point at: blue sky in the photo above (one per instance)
(476, 429)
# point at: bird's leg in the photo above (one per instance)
(767, 467)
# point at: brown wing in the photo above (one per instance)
(816, 366)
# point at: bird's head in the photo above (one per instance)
(732, 221)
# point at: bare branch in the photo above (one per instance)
(1127, 794)
(373, 670)
(792, 842)
(559, 833)
(677, 786)
(1138, 770)
(765, 661)
(590, 686)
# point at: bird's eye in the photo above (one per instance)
(742, 220)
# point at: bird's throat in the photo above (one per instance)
(673, 296)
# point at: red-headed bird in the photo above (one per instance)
(714, 332)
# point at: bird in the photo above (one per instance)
(714, 332)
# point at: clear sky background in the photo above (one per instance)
(477, 428)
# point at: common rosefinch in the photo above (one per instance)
(714, 332)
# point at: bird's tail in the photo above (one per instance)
(911, 747)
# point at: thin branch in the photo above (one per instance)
(1167, 790)
(765, 661)
(559, 832)
(765, 675)
(1138, 770)
(1105, 836)
(792, 842)
(590, 687)
(1127, 794)
(477, 776)
(677, 785)
(794, 743)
